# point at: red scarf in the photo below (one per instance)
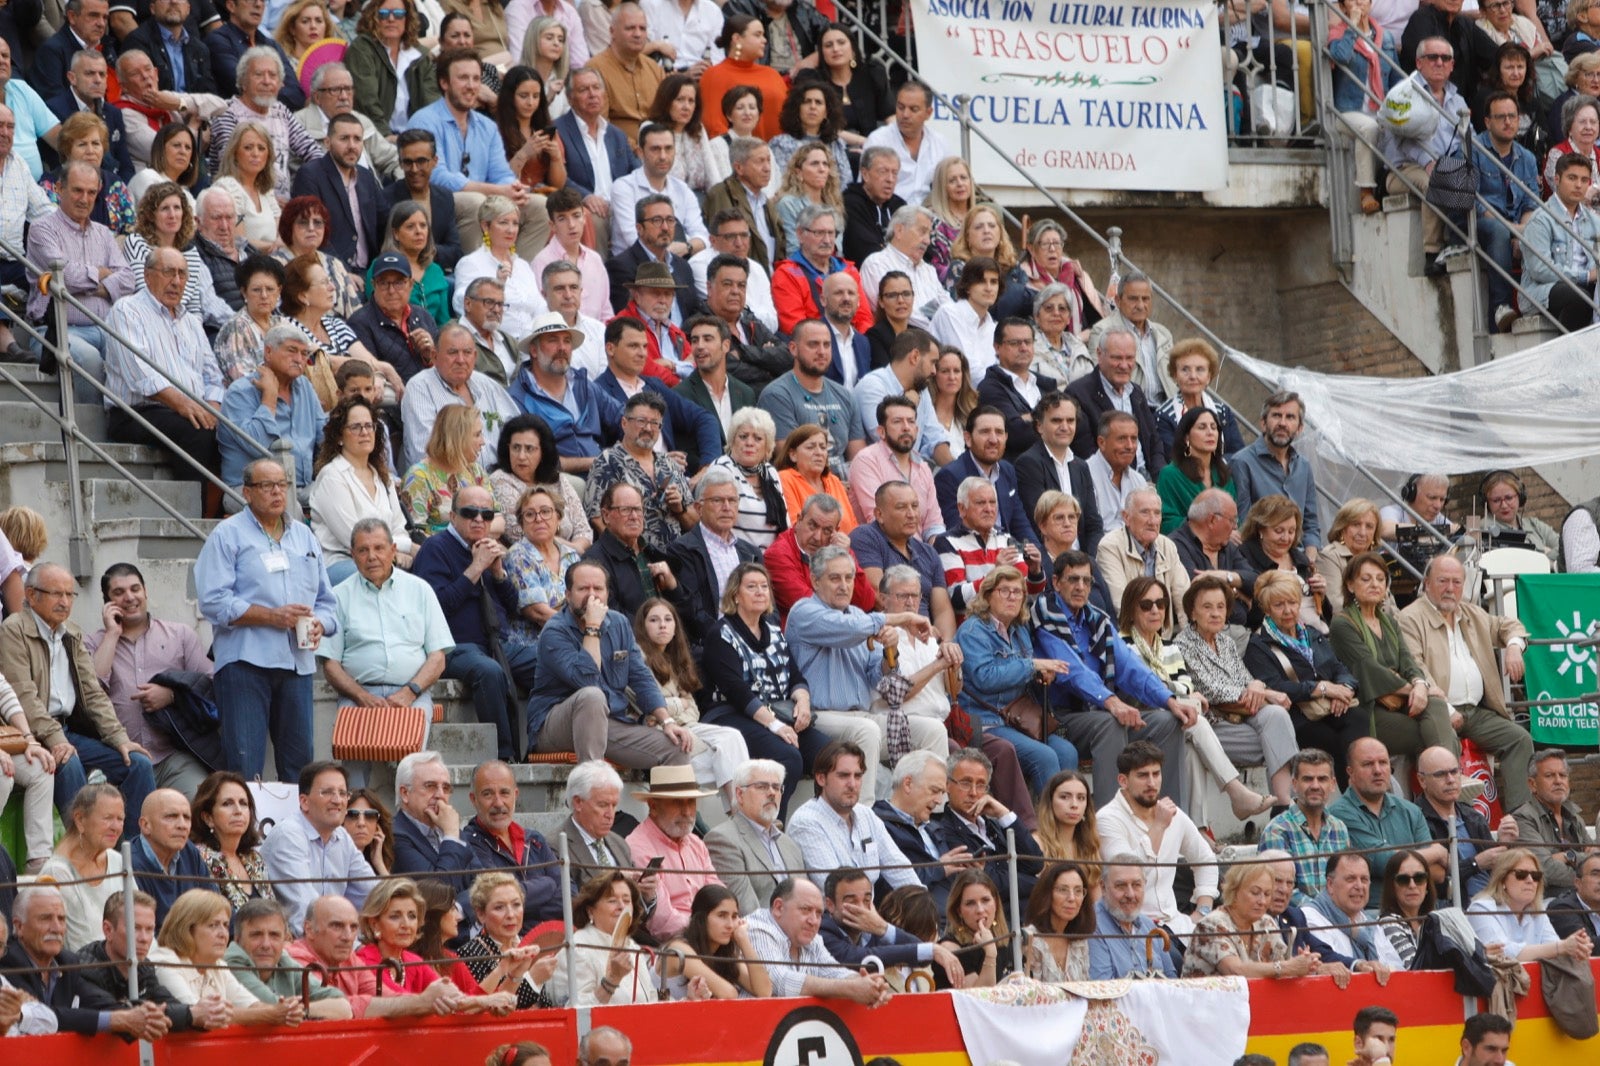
(656, 366)
(155, 116)
(1369, 49)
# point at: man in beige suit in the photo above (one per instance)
(749, 846)
(1455, 643)
(1122, 554)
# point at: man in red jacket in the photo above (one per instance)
(797, 281)
(788, 559)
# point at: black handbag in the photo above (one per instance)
(1453, 185)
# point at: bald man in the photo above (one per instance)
(163, 847)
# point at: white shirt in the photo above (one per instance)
(916, 174)
(1107, 495)
(1029, 391)
(694, 35)
(427, 393)
(958, 324)
(400, 121)
(591, 354)
(1528, 931)
(933, 701)
(1122, 830)
(598, 158)
(1466, 680)
(757, 292)
(844, 342)
(926, 293)
(61, 687)
(828, 842)
(629, 189)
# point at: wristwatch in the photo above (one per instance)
(591, 631)
(412, 685)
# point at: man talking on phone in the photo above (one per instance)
(588, 660)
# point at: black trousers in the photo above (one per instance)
(198, 444)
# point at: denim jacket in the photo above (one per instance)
(1350, 73)
(995, 668)
(1549, 235)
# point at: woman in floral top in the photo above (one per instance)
(1060, 921)
(449, 465)
(538, 562)
(241, 344)
(1240, 937)
(225, 831)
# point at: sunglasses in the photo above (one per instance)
(361, 815)
(1415, 880)
(1535, 876)
(391, 12)
(476, 514)
(1150, 605)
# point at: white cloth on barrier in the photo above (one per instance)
(1201, 1022)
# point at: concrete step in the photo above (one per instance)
(462, 743)
(22, 422)
(106, 499)
(154, 538)
(46, 388)
(140, 460)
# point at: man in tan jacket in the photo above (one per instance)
(42, 655)
(1127, 553)
(1455, 643)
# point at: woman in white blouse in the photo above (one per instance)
(188, 956)
(966, 323)
(498, 259)
(245, 173)
(1509, 913)
(354, 482)
(607, 966)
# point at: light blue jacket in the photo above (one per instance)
(1550, 235)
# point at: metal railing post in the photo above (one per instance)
(566, 910)
(78, 550)
(1016, 903)
(147, 1054)
(963, 104)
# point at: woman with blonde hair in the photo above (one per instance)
(546, 49)
(188, 961)
(499, 220)
(983, 235)
(26, 530)
(1510, 914)
(246, 172)
(975, 929)
(1270, 539)
(84, 138)
(86, 865)
(499, 958)
(803, 472)
(303, 24)
(951, 196)
(811, 177)
(763, 513)
(1240, 938)
(449, 465)
(1067, 829)
(1354, 530)
(391, 923)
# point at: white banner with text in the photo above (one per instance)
(1125, 94)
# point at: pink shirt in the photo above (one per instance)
(876, 464)
(674, 892)
(358, 986)
(596, 300)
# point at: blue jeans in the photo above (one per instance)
(135, 778)
(471, 664)
(257, 702)
(1494, 237)
(1041, 760)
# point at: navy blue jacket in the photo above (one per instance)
(860, 354)
(911, 845)
(997, 390)
(541, 888)
(321, 178)
(1094, 403)
(228, 43)
(197, 74)
(688, 427)
(1013, 519)
(442, 562)
(415, 854)
(385, 341)
(895, 948)
(148, 876)
(53, 58)
(76, 1000)
(580, 172)
(691, 563)
(951, 832)
(1036, 475)
(64, 104)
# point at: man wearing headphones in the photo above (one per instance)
(1504, 497)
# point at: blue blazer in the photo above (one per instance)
(53, 58)
(320, 178)
(64, 104)
(580, 172)
(415, 854)
(685, 421)
(1013, 519)
(861, 352)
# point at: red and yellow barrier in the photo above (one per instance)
(917, 1030)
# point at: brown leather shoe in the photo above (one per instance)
(1370, 204)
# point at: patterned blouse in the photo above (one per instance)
(1216, 938)
(536, 584)
(615, 464)
(240, 345)
(255, 867)
(574, 528)
(938, 254)
(1040, 964)
(427, 492)
(1219, 672)
(481, 954)
(348, 289)
(752, 525)
(695, 165)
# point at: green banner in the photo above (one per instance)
(1564, 608)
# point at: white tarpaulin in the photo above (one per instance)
(1101, 95)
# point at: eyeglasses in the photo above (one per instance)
(643, 423)
(411, 164)
(1077, 579)
(493, 305)
(1443, 775)
(1415, 880)
(336, 89)
(543, 514)
(391, 12)
(1150, 605)
(333, 793)
(742, 236)
(1007, 591)
(765, 786)
(270, 486)
(626, 511)
(311, 222)
(829, 233)
(1535, 876)
(359, 427)
(970, 784)
(662, 220)
(476, 514)
(360, 815)
(60, 594)
(898, 294)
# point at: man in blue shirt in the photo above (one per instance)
(472, 155)
(1118, 948)
(1085, 698)
(467, 568)
(275, 403)
(548, 385)
(1272, 465)
(265, 591)
(1507, 178)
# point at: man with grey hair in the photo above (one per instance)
(597, 152)
(236, 38)
(392, 637)
(797, 281)
(1271, 465)
(275, 403)
(1112, 388)
(871, 202)
(705, 556)
(750, 851)
(918, 791)
(483, 313)
(452, 379)
(973, 550)
(1206, 548)
(744, 192)
(219, 242)
(1117, 948)
(594, 790)
(1140, 547)
(604, 1045)
(910, 232)
(173, 348)
(1154, 340)
(259, 74)
(788, 558)
(265, 592)
(427, 829)
(333, 92)
(975, 819)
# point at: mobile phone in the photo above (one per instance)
(654, 864)
(549, 131)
